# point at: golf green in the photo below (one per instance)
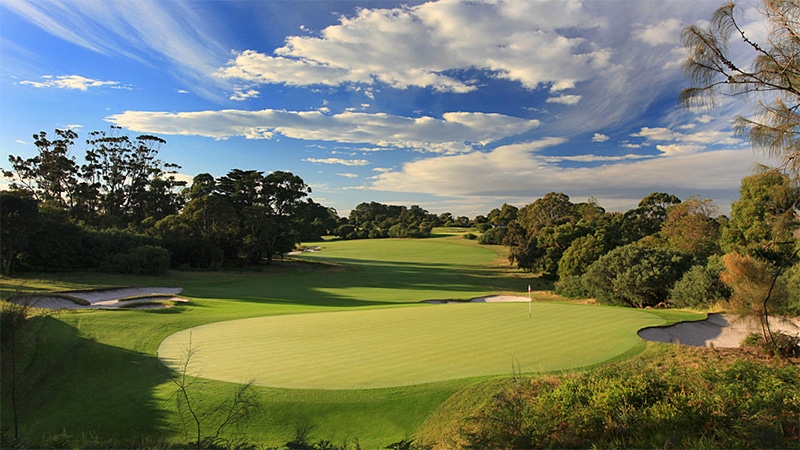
(389, 347)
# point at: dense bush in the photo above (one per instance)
(636, 276)
(684, 400)
(143, 260)
(493, 236)
(699, 287)
(572, 286)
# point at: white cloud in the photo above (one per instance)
(452, 133)
(344, 162)
(664, 32)
(151, 32)
(692, 142)
(71, 82)
(565, 99)
(241, 93)
(518, 171)
(599, 137)
(677, 149)
(347, 175)
(418, 46)
(595, 158)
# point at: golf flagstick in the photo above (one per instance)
(529, 301)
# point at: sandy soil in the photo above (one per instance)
(109, 298)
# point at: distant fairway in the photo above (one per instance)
(406, 346)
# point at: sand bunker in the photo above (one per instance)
(147, 297)
(490, 299)
(718, 330)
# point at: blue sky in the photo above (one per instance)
(456, 106)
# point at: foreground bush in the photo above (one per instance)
(688, 399)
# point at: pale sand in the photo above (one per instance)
(106, 298)
(718, 330)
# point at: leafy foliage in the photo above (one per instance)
(635, 275)
(676, 400)
(699, 287)
(375, 220)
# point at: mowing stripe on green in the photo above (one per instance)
(406, 346)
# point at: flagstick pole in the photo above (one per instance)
(529, 301)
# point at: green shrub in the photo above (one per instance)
(698, 287)
(635, 275)
(483, 227)
(571, 286)
(142, 260)
(494, 236)
(683, 400)
(470, 236)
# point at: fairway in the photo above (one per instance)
(406, 346)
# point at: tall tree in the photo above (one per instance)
(763, 219)
(769, 74)
(51, 175)
(690, 228)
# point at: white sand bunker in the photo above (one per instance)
(147, 297)
(718, 330)
(490, 299)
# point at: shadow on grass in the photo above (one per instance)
(74, 387)
(358, 282)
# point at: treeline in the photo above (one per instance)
(665, 252)
(123, 210)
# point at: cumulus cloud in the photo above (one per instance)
(241, 93)
(520, 171)
(344, 162)
(422, 45)
(565, 99)
(679, 142)
(76, 82)
(599, 137)
(664, 32)
(455, 131)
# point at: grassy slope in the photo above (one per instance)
(97, 371)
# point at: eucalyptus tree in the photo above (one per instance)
(51, 176)
(725, 59)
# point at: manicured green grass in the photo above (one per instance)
(96, 372)
(398, 347)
